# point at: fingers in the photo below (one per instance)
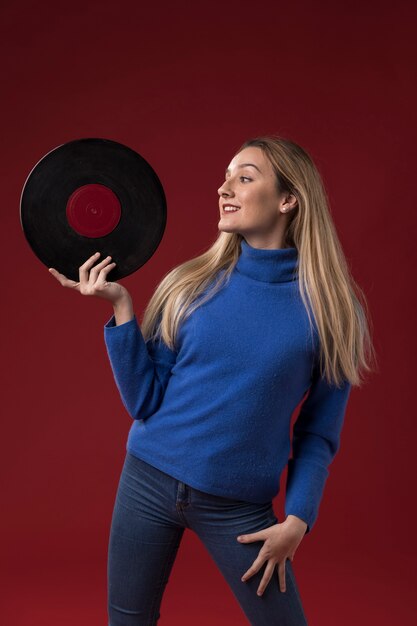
(252, 537)
(93, 280)
(98, 268)
(254, 568)
(65, 282)
(281, 575)
(85, 267)
(268, 573)
(102, 269)
(101, 280)
(272, 552)
(269, 570)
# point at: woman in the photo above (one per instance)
(230, 344)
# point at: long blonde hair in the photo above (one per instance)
(326, 286)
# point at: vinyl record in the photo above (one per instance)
(93, 195)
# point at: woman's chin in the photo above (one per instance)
(227, 228)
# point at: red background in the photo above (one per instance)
(184, 84)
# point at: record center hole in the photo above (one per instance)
(92, 209)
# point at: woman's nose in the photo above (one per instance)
(224, 190)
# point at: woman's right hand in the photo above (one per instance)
(93, 281)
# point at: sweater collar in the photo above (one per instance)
(272, 265)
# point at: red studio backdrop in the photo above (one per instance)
(184, 84)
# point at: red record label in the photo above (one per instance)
(93, 210)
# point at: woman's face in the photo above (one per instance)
(251, 187)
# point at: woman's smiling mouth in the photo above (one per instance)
(230, 208)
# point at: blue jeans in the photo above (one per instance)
(151, 512)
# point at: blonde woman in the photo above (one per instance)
(230, 343)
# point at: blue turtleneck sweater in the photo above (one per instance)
(215, 413)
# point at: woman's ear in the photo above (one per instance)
(291, 201)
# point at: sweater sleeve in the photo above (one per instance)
(316, 440)
(141, 368)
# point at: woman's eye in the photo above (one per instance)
(245, 178)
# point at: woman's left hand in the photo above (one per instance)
(281, 542)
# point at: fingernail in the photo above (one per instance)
(243, 579)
